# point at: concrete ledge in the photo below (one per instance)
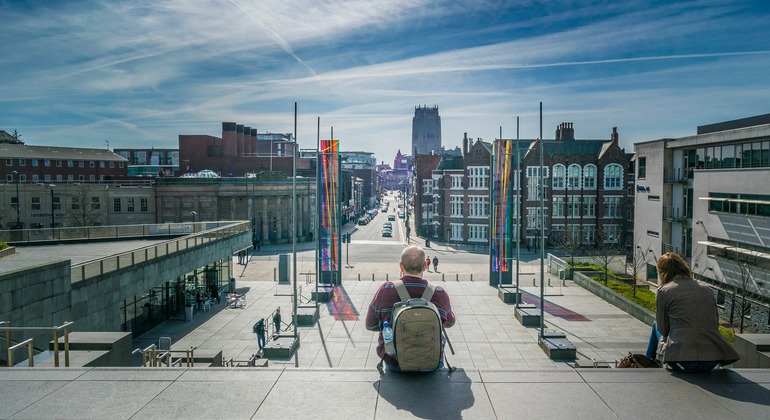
(528, 316)
(619, 301)
(8, 251)
(325, 293)
(752, 348)
(282, 347)
(556, 346)
(509, 295)
(307, 316)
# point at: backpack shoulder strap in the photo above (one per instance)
(428, 293)
(403, 294)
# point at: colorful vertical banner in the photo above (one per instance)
(329, 210)
(502, 208)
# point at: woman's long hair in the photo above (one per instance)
(670, 265)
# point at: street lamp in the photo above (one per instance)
(194, 215)
(18, 203)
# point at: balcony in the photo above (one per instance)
(675, 176)
(674, 214)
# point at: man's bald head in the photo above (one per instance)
(413, 261)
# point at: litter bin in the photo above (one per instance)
(561, 274)
(232, 285)
(427, 243)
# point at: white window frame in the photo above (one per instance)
(457, 231)
(613, 206)
(478, 206)
(559, 176)
(457, 182)
(478, 233)
(478, 177)
(427, 187)
(456, 204)
(613, 177)
(589, 177)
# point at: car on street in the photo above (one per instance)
(387, 232)
(387, 225)
(391, 217)
(401, 215)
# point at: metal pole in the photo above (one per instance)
(542, 229)
(317, 220)
(294, 222)
(518, 211)
(18, 204)
(53, 220)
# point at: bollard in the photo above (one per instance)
(533, 281)
(359, 276)
(549, 282)
(471, 276)
(372, 276)
(386, 276)
(457, 277)
(275, 274)
(442, 277)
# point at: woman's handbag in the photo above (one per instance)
(634, 360)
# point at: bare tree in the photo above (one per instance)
(84, 211)
(5, 214)
(569, 245)
(606, 250)
(638, 262)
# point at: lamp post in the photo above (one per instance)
(194, 215)
(53, 217)
(18, 203)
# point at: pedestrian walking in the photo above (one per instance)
(277, 320)
(259, 330)
(435, 264)
(427, 263)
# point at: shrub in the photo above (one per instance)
(728, 334)
(3, 245)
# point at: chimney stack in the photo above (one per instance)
(615, 136)
(229, 140)
(465, 144)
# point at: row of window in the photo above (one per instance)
(60, 163)
(478, 206)
(36, 203)
(572, 177)
(575, 233)
(48, 178)
(744, 204)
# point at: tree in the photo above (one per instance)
(570, 245)
(5, 213)
(84, 211)
(638, 262)
(606, 249)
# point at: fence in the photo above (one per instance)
(11, 348)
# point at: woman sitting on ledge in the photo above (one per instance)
(686, 335)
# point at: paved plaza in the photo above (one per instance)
(502, 372)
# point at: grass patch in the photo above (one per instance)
(646, 299)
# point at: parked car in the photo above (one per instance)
(362, 221)
(400, 214)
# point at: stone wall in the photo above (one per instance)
(36, 297)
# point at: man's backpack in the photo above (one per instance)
(417, 330)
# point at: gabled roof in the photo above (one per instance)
(23, 151)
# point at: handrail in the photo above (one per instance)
(100, 266)
(55, 330)
(152, 358)
(30, 355)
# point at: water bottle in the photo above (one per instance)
(387, 336)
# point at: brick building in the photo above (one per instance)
(586, 192)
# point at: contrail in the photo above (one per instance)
(278, 39)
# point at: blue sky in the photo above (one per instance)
(139, 73)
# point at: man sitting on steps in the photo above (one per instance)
(413, 264)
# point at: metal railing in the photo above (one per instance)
(86, 233)
(675, 214)
(152, 357)
(100, 266)
(673, 176)
(8, 329)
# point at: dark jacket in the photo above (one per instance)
(259, 327)
(687, 318)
